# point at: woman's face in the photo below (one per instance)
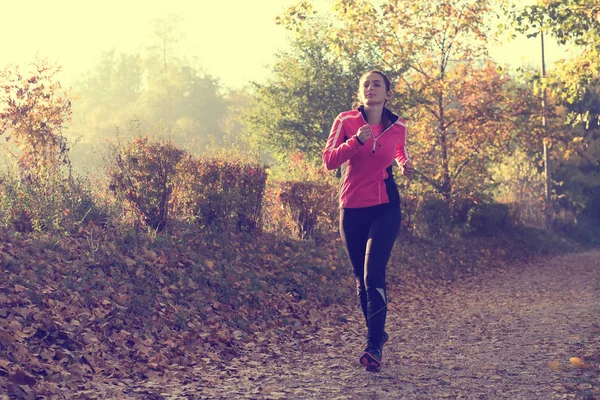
(372, 90)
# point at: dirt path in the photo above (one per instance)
(488, 337)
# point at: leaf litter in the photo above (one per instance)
(517, 331)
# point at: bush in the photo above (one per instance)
(54, 203)
(488, 219)
(460, 207)
(527, 213)
(409, 207)
(301, 198)
(220, 194)
(143, 173)
(434, 217)
(592, 205)
(301, 209)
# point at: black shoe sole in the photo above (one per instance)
(370, 362)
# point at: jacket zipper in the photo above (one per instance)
(375, 138)
(374, 144)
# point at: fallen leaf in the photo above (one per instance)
(577, 362)
(16, 391)
(584, 386)
(15, 326)
(554, 365)
(22, 378)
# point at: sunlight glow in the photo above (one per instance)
(234, 40)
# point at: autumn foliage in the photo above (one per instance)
(143, 173)
(162, 183)
(33, 112)
(309, 206)
(221, 194)
(174, 261)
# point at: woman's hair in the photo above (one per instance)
(388, 85)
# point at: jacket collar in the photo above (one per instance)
(388, 118)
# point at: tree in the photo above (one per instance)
(578, 158)
(573, 22)
(166, 36)
(33, 112)
(485, 115)
(294, 110)
(108, 94)
(152, 87)
(574, 85)
(460, 109)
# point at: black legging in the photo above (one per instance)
(368, 235)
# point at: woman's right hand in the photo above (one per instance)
(364, 133)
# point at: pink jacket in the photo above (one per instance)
(367, 178)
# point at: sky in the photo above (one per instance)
(233, 40)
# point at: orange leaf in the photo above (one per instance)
(554, 365)
(577, 362)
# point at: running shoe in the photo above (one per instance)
(372, 356)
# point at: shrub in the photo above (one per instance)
(220, 194)
(143, 173)
(301, 199)
(53, 203)
(308, 203)
(34, 110)
(488, 219)
(460, 207)
(592, 205)
(409, 207)
(300, 209)
(527, 213)
(435, 217)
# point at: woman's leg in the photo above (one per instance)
(354, 230)
(382, 236)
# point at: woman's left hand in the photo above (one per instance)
(408, 168)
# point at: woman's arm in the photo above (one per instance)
(339, 150)
(402, 158)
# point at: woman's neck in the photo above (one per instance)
(374, 114)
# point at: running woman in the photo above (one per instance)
(365, 142)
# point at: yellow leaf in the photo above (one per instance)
(577, 362)
(554, 365)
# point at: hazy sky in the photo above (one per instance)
(231, 39)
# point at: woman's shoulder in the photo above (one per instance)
(400, 121)
(349, 114)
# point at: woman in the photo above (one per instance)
(365, 142)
